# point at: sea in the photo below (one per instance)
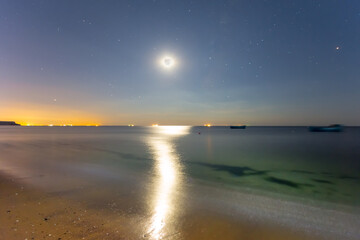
(287, 175)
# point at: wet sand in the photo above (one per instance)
(29, 213)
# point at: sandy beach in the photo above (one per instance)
(28, 213)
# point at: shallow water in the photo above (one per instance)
(288, 160)
(158, 175)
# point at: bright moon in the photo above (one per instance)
(167, 62)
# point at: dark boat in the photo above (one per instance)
(238, 127)
(330, 128)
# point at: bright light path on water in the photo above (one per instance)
(167, 180)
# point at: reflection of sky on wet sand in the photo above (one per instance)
(167, 178)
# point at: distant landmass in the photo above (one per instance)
(7, 123)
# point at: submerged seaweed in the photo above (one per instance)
(302, 171)
(322, 181)
(348, 177)
(234, 170)
(283, 182)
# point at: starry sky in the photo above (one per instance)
(278, 62)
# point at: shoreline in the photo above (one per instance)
(313, 219)
(35, 214)
(266, 193)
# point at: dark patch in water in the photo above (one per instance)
(237, 171)
(322, 181)
(347, 177)
(286, 182)
(121, 155)
(302, 171)
(7, 145)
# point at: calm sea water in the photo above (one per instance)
(162, 179)
(290, 161)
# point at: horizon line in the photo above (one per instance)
(158, 125)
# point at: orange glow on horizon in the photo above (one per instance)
(57, 125)
(27, 114)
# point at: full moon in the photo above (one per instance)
(167, 62)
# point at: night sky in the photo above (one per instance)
(278, 62)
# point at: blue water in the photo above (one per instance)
(285, 160)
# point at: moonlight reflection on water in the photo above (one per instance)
(168, 178)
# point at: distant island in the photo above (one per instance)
(8, 123)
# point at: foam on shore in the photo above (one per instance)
(315, 218)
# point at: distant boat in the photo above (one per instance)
(238, 127)
(330, 128)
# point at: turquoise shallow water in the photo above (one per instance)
(285, 160)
